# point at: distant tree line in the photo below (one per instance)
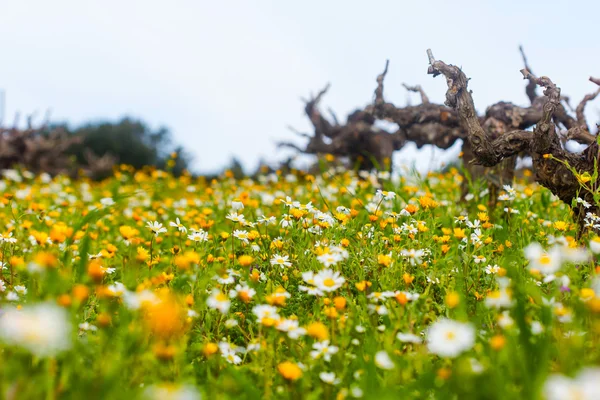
(91, 149)
(129, 141)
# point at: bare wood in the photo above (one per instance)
(543, 144)
(579, 111)
(531, 88)
(379, 89)
(580, 135)
(417, 89)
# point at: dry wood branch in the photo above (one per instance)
(336, 121)
(579, 111)
(531, 88)
(406, 117)
(459, 98)
(543, 144)
(417, 89)
(580, 135)
(320, 123)
(514, 117)
(301, 134)
(578, 129)
(290, 145)
(379, 90)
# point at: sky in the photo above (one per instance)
(227, 77)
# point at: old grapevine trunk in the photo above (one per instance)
(550, 161)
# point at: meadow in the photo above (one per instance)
(339, 285)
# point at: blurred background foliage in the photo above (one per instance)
(130, 141)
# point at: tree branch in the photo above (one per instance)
(301, 134)
(579, 111)
(418, 89)
(550, 160)
(379, 90)
(333, 116)
(580, 135)
(320, 123)
(531, 88)
(290, 145)
(459, 98)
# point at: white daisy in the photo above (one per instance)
(383, 360)
(328, 280)
(449, 338)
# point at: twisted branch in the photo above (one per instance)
(543, 144)
(417, 89)
(531, 88)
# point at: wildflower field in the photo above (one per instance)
(334, 286)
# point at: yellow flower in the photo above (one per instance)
(561, 225)
(317, 330)
(128, 232)
(483, 216)
(164, 351)
(80, 292)
(278, 297)
(185, 260)
(289, 370)
(95, 271)
(459, 233)
(427, 202)
(452, 299)
(45, 259)
(210, 349)
(245, 260)
(384, 259)
(497, 342)
(584, 178)
(60, 232)
(40, 237)
(16, 261)
(587, 294)
(411, 208)
(401, 298)
(142, 254)
(361, 286)
(297, 213)
(331, 312)
(339, 302)
(444, 373)
(165, 319)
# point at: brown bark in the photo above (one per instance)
(366, 146)
(495, 139)
(531, 89)
(543, 143)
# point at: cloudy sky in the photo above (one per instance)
(227, 76)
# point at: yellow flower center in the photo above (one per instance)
(221, 297)
(545, 259)
(329, 282)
